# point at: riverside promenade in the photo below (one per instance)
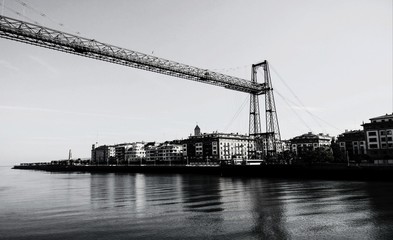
(326, 171)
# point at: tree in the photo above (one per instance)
(338, 155)
(318, 155)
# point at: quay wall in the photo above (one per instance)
(375, 173)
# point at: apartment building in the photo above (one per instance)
(216, 147)
(379, 137)
(310, 141)
(352, 144)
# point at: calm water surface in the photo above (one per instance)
(42, 205)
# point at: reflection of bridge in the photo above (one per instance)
(48, 38)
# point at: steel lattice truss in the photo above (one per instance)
(48, 38)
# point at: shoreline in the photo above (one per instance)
(317, 172)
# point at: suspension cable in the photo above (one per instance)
(237, 114)
(287, 101)
(316, 119)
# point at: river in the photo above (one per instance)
(44, 205)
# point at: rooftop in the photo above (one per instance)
(217, 134)
(386, 116)
(311, 135)
(352, 132)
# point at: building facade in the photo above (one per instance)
(169, 153)
(120, 152)
(215, 147)
(135, 153)
(151, 152)
(353, 144)
(166, 153)
(102, 154)
(379, 137)
(310, 142)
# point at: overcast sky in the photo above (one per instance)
(331, 67)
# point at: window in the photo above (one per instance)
(372, 140)
(373, 146)
(382, 132)
(383, 139)
(372, 133)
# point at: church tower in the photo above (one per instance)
(197, 131)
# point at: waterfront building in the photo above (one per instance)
(379, 137)
(352, 144)
(135, 153)
(120, 152)
(215, 147)
(309, 142)
(103, 154)
(165, 153)
(151, 152)
(169, 153)
(285, 146)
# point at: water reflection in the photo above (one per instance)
(123, 190)
(163, 190)
(381, 208)
(140, 198)
(269, 220)
(201, 194)
(198, 206)
(99, 190)
(203, 206)
(323, 209)
(117, 191)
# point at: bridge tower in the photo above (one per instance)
(266, 144)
